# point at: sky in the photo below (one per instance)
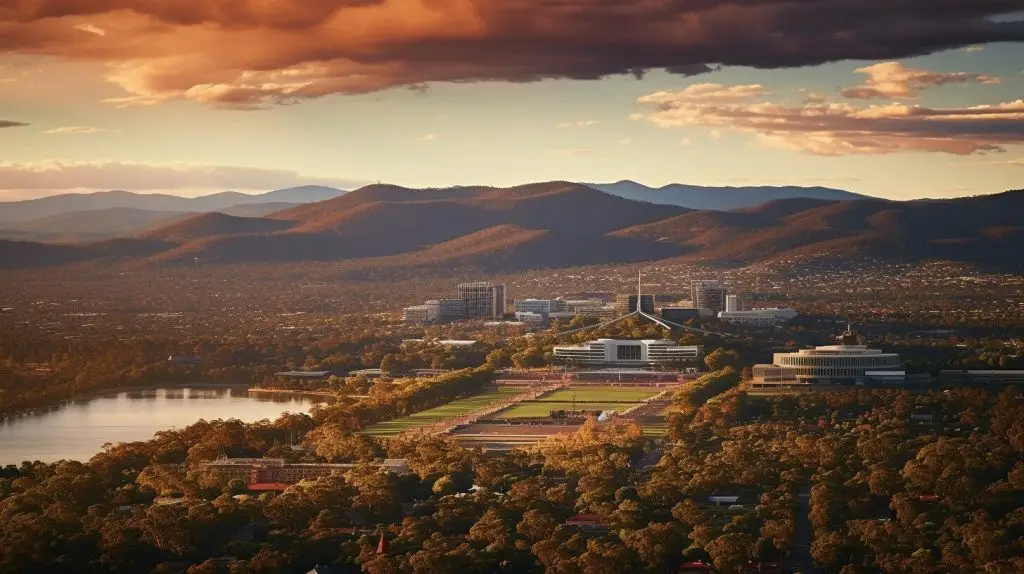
(898, 98)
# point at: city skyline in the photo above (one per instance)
(910, 103)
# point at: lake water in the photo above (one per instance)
(78, 429)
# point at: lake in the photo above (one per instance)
(78, 429)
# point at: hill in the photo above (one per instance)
(561, 224)
(719, 198)
(977, 229)
(215, 224)
(385, 220)
(27, 210)
(103, 224)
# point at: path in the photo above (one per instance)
(799, 557)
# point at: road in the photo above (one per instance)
(648, 460)
(799, 557)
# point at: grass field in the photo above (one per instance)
(655, 430)
(543, 408)
(443, 412)
(586, 398)
(601, 394)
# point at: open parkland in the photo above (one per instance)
(523, 408)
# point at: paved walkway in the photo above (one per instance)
(799, 557)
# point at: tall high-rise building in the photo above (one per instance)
(483, 299)
(733, 303)
(625, 303)
(708, 295)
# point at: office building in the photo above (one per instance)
(679, 314)
(419, 314)
(708, 295)
(626, 304)
(530, 317)
(483, 299)
(733, 303)
(758, 317)
(448, 310)
(848, 363)
(541, 306)
(604, 312)
(626, 353)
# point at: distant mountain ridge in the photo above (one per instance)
(560, 224)
(719, 198)
(30, 209)
(114, 222)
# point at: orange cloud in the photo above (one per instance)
(250, 53)
(838, 128)
(894, 80)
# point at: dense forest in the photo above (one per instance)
(889, 490)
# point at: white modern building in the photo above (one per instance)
(419, 314)
(758, 317)
(626, 352)
(530, 317)
(733, 303)
(848, 363)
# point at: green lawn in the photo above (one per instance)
(655, 430)
(599, 394)
(443, 412)
(543, 408)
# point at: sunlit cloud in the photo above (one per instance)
(285, 52)
(579, 124)
(90, 29)
(894, 80)
(103, 175)
(834, 129)
(76, 130)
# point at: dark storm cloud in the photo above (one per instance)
(246, 53)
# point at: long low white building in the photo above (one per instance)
(758, 317)
(627, 352)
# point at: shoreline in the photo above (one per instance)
(110, 391)
(324, 394)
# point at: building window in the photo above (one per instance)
(628, 352)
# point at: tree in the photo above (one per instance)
(658, 545)
(721, 358)
(336, 444)
(536, 525)
(730, 552)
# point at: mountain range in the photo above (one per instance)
(72, 217)
(558, 224)
(719, 198)
(110, 214)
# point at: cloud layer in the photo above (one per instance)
(283, 51)
(76, 130)
(12, 124)
(834, 129)
(894, 80)
(56, 175)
